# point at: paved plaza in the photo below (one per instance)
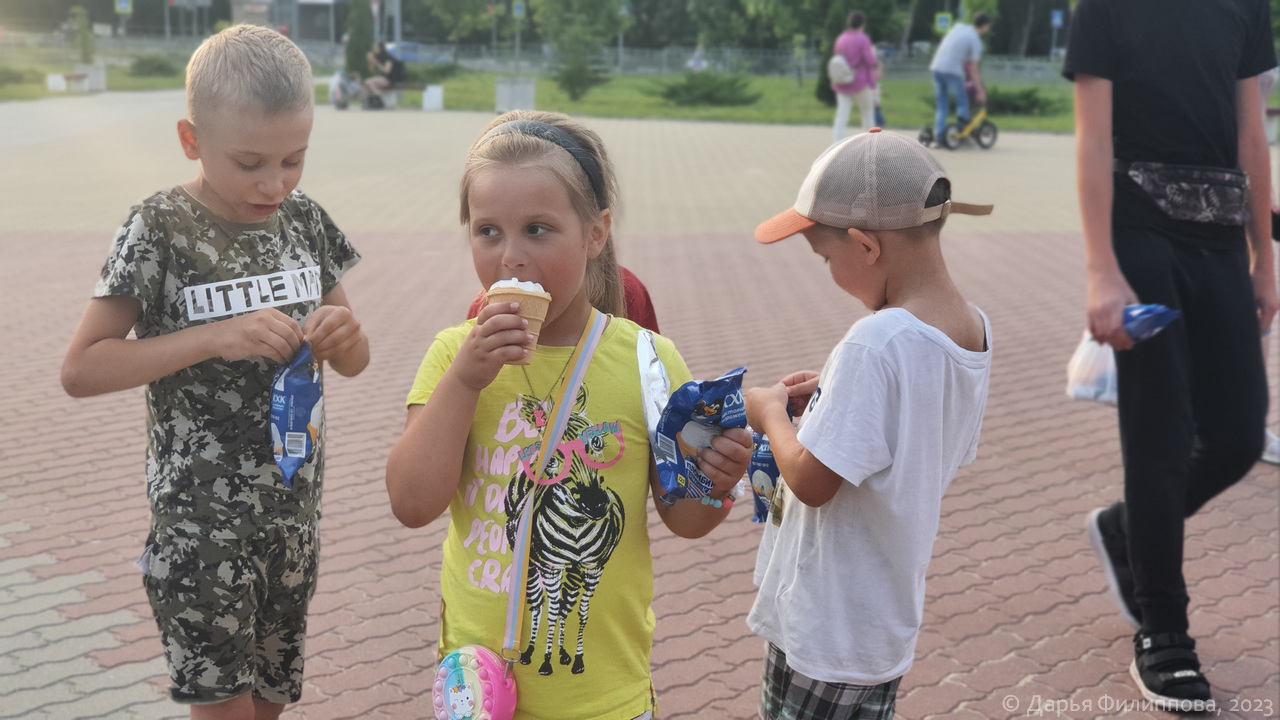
(1017, 616)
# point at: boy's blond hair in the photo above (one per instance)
(248, 66)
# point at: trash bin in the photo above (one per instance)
(514, 93)
(433, 97)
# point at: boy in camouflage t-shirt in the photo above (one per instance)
(223, 279)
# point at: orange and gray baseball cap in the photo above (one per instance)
(873, 181)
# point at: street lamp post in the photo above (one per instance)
(624, 12)
(399, 27)
(517, 9)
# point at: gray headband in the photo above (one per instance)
(553, 134)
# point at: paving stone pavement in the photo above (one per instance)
(1017, 612)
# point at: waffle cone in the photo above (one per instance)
(533, 308)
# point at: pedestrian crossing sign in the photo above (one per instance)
(942, 21)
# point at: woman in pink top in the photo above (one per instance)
(856, 47)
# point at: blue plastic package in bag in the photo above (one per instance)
(1141, 322)
(696, 412)
(297, 406)
(763, 472)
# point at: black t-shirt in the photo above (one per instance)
(1173, 65)
(396, 73)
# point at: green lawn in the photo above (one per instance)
(906, 103)
(118, 78)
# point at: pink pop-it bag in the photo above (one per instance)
(473, 682)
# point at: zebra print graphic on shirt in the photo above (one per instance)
(577, 523)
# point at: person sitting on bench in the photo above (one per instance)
(387, 70)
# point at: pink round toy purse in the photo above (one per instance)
(473, 682)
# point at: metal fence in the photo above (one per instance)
(637, 61)
(56, 48)
(18, 48)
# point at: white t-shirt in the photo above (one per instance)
(961, 44)
(897, 410)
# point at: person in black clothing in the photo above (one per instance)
(386, 69)
(1158, 84)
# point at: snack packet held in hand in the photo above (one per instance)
(696, 412)
(297, 404)
(1143, 321)
(763, 472)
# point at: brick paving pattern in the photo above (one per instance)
(1017, 607)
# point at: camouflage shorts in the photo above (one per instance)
(232, 613)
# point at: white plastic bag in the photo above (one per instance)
(1091, 373)
(838, 70)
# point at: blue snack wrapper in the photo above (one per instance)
(696, 412)
(763, 472)
(297, 406)
(1141, 322)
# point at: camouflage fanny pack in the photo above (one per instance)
(1192, 192)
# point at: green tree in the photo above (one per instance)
(359, 36)
(1275, 21)
(1022, 27)
(44, 15)
(827, 18)
(79, 20)
(973, 7)
(578, 31)
(660, 23)
(720, 23)
(578, 69)
(468, 19)
(789, 17)
(732, 23)
(602, 19)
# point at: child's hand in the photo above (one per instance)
(332, 331)
(725, 462)
(762, 401)
(498, 338)
(800, 387)
(267, 333)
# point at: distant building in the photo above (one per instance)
(299, 19)
(251, 12)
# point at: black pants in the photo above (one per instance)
(1192, 404)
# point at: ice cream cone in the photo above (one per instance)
(533, 307)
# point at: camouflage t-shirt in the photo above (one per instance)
(210, 468)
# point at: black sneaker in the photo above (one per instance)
(1109, 544)
(1167, 671)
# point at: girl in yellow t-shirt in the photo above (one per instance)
(536, 198)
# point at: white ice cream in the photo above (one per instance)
(517, 284)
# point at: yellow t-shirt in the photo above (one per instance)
(590, 624)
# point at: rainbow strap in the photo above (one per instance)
(552, 434)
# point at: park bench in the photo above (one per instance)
(393, 95)
(85, 78)
(67, 82)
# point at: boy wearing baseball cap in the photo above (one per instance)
(895, 411)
